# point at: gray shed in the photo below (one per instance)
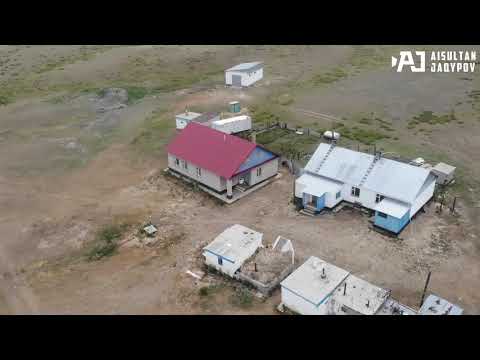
(444, 173)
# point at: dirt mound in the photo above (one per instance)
(111, 99)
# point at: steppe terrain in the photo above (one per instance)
(79, 162)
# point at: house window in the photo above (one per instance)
(379, 198)
(338, 195)
(355, 191)
(383, 215)
(177, 162)
(220, 261)
(185, 165)
(199, 172)
(259, 171)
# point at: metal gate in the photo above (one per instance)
(237, 80)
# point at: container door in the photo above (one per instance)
(236, 80)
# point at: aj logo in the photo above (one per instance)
(406, 59)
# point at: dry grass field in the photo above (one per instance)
(80, 167)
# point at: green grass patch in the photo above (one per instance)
(210, 290)
(329, 77)
(288, 143)
(429, 117)
(4, 100)
(242, 298)
(106, 242)
(364, 136)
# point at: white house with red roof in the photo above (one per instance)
(220, 161)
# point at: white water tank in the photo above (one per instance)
(331, 135)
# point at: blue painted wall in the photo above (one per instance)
(320, 201)
(391, 223)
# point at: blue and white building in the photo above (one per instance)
(394, 190)
(229, 250)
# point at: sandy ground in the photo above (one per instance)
(67, 169)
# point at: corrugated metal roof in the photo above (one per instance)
(388, 177)
(397, 180)
(307, 281)
(392, 207)
(342, 164)
(211, 149)
(235, 243)
(435, 305)
(250, 66)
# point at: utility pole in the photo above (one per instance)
(425, 289)
(453, 205)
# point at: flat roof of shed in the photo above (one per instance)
(444, 168)
(235, 243)
(190, 115)
(435, 305)
(307, 282)
(360, 295)
(249, 66)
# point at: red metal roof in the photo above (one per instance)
(211, 149)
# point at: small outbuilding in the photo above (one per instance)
(444, 173)
(245, 74)
(183, 119)
(308, 289)
(229, 250)
(233, 125)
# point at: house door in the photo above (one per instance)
(236, 80)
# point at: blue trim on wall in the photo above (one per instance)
(392, 223)
(224, 258)
(320, 201)
(309, 301)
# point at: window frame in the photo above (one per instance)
(220, 260)
(382, 215)
(259, 171)
(199, 172)
(355, 192)
(177, 162)
(338, 195)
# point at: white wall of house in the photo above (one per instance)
(247, 78)
(366, 198)
(268, 170)
(227, 267)
(302, 306)
(207, 177)
(331, 200)
(426, 194)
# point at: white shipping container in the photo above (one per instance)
(233, 125)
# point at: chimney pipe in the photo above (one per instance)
(345, 289)
(323, 276)
(368, 304)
